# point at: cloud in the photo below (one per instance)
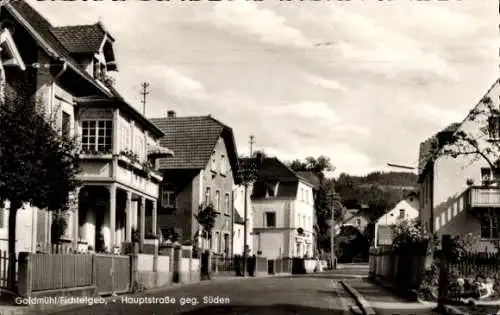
(325, 83)
(247, 17)
(436, 115)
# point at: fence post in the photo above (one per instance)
(177, 259)
(443, 270)
(24, 273)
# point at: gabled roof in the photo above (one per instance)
(270, 168)
(193, 140)
(310, 178)
(41, 30)
(80, 38)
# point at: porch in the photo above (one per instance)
(109, 214)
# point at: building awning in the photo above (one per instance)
(156, 151)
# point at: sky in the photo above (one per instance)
(362, 82)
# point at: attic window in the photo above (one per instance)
(494, 127)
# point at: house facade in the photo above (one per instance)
(67, 72)
(239, 221)
(457, 195)
(283, 203)
(202, 172)
(356, 218)
(405, 210)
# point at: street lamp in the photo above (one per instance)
(335, 201)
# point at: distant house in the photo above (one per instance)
(461, 195)
(203, 171)
(406, 209)
(238, 234)
(284, 211)
(357, 218)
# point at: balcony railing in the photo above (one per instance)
(484, 197)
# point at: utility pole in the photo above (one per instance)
(252, 142)
(144, 92)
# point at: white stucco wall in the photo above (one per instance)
(239, 206)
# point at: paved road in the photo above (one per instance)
(316, 294)
(384, 302)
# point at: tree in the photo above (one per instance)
(476, 144)
(206, 218)
(247, 174)
(322, 201)
(38, 163)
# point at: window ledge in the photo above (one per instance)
(107, 156)
(227, 214)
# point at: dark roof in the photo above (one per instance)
(81, 38)
(270, 168)
(193, 140)
(41, 30)
(238, 219)
(310, 178)
(429, 148)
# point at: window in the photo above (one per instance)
(207, 196)
(227, 204)
(217, 242)
(214, 162)
(66, 125)
(486, 176)
(436, 224)
(307, 197)
(223, 164)
(358, 222)
(97, 136)
(226, 243)
(270, 219)
(402, 213)
(494, 127)
(217, 201)
(125, 137)
(168, 199)
(139, 146)
(490, 226)
(304, 220)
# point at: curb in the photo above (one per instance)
(363, 304)
(452, 310)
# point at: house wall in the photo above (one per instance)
(181, 218)
(212, 177)
(239, 205)
(410, 207)
(450, 176)
(238, 240)
(353, 221)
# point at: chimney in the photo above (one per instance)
(171, 114)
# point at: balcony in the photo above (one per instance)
(483, 197)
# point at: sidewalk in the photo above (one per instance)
(382, 301)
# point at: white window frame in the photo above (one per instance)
(223, 168)
(125, 137)
(217, 200)
(170, 201)
(95, 146)
(208, 193)
(139, 144)
(227, 203)
(402, 213)
(213, 165)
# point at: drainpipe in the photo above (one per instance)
(52, 89)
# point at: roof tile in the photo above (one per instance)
(80, 38)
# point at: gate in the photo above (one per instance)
(113, 274)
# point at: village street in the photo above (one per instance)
(308, 294)
(305, 294)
